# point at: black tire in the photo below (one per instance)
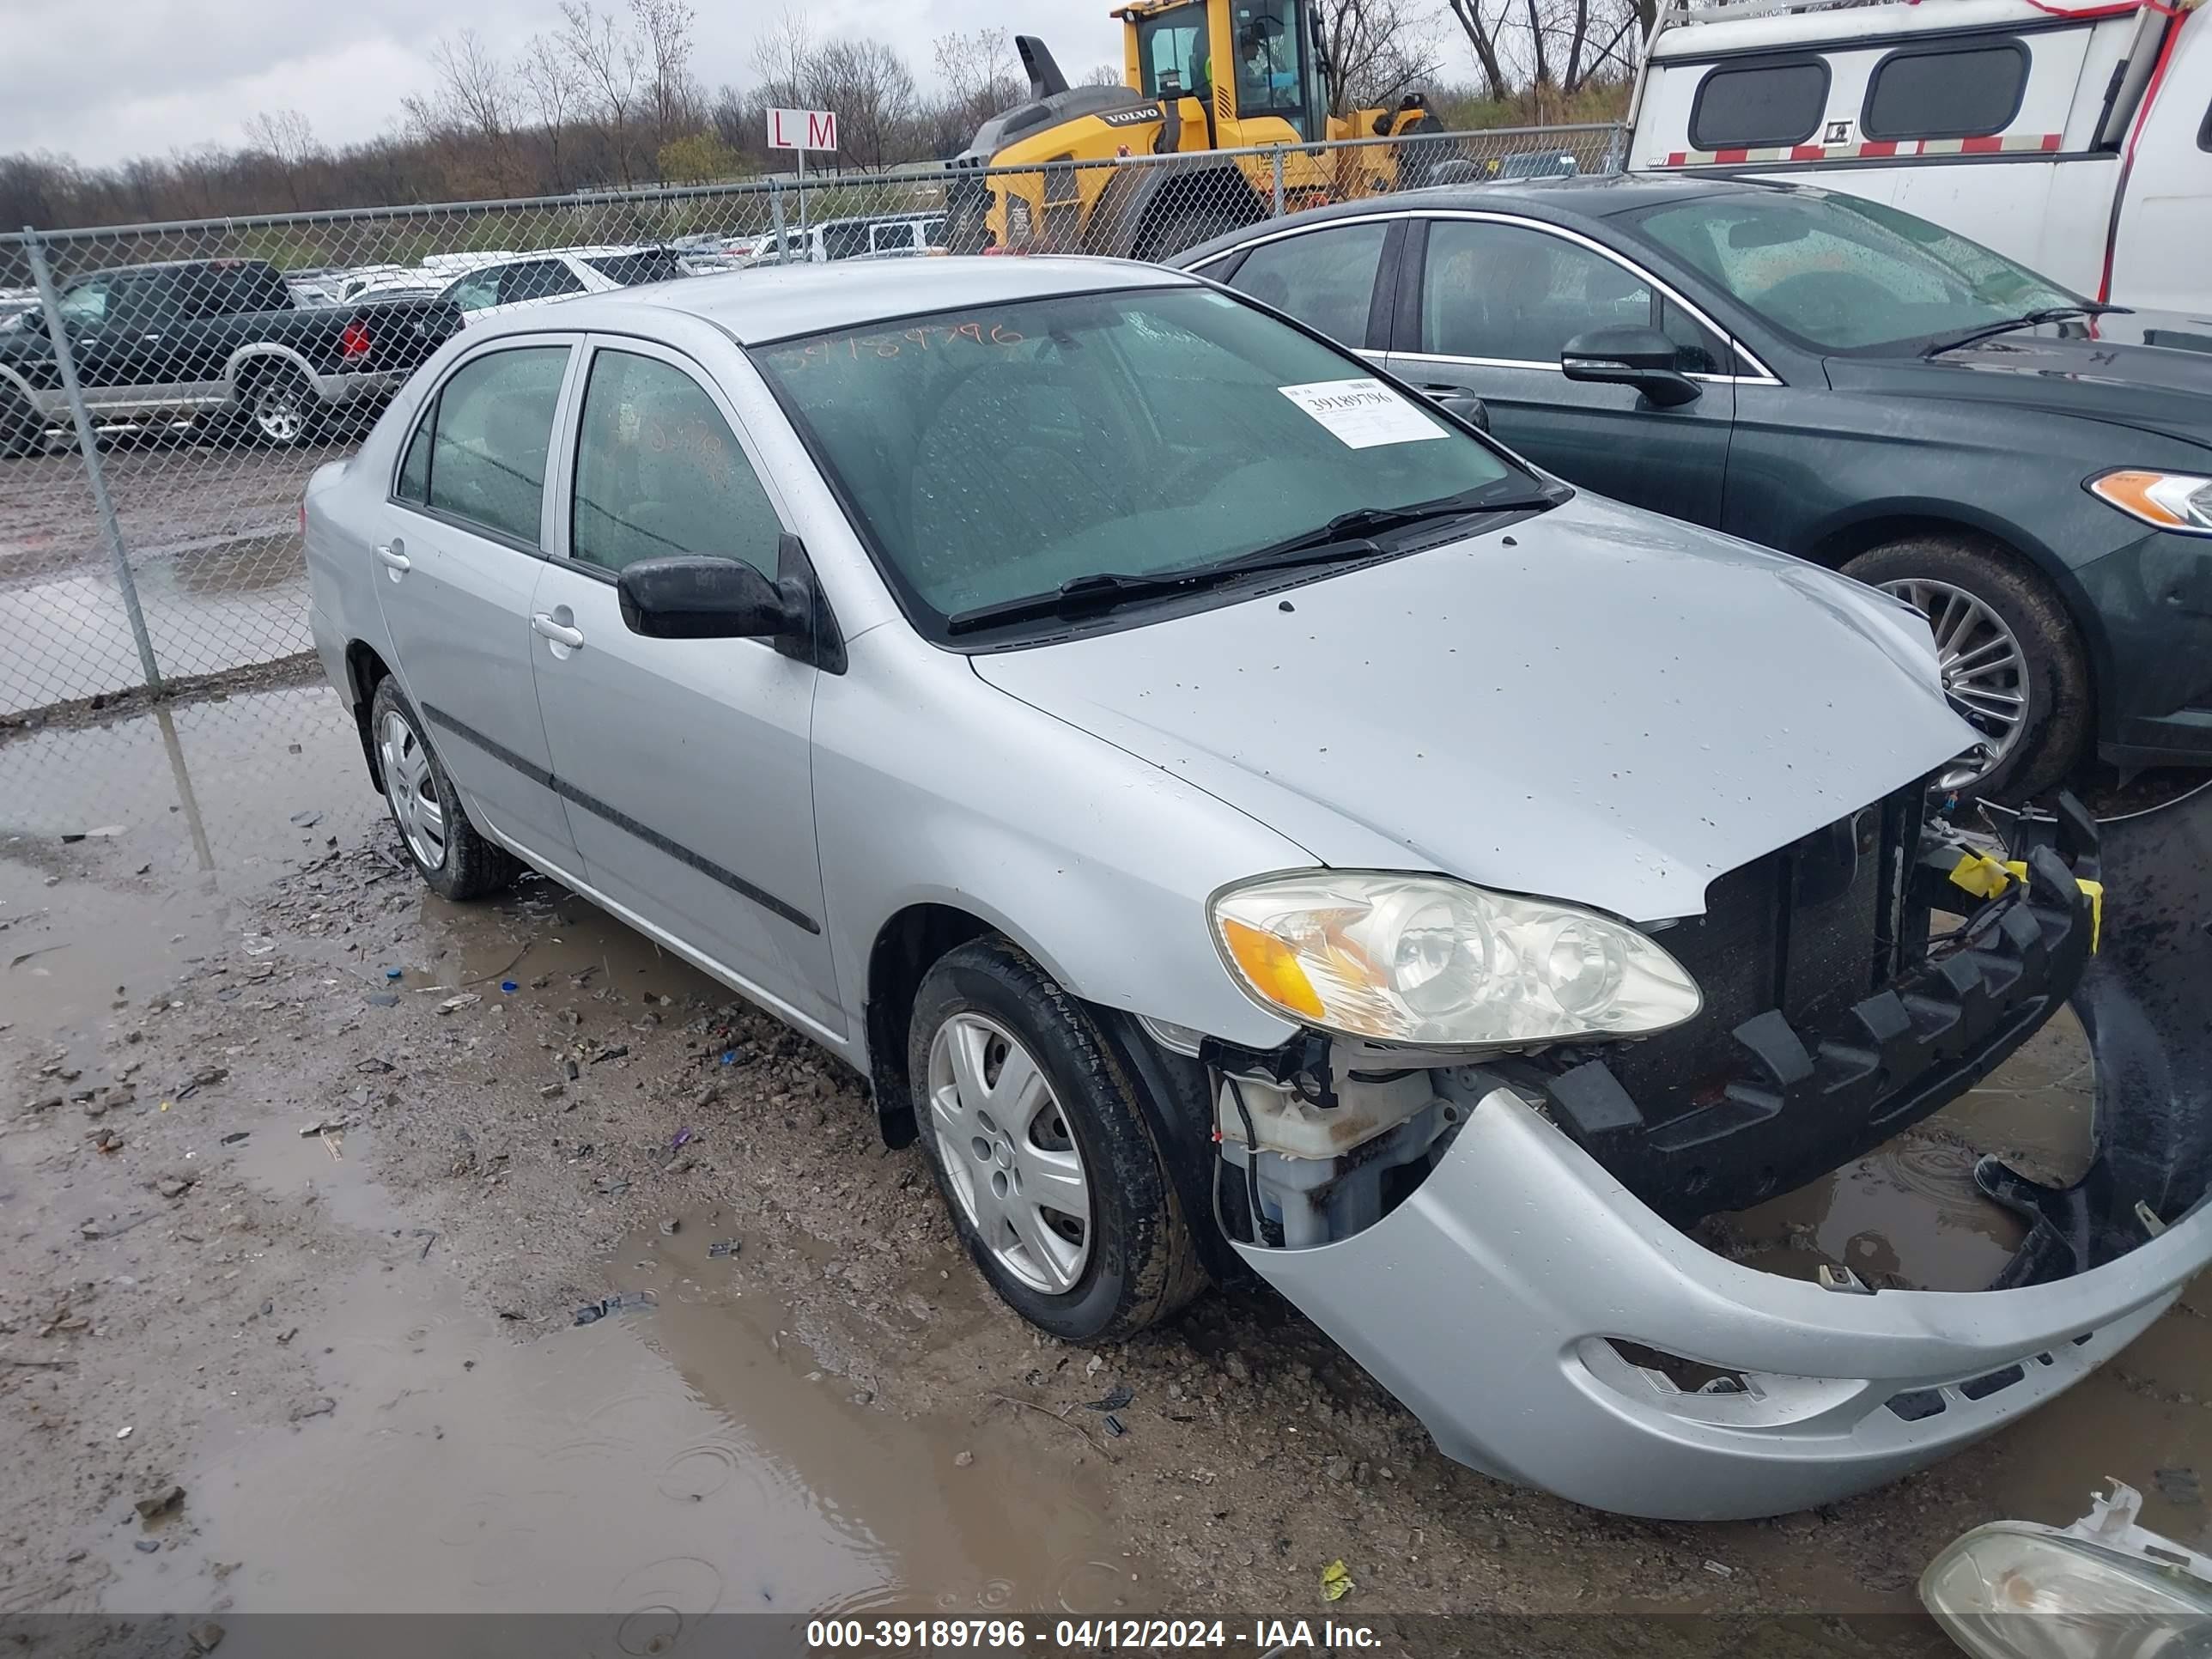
(1186, 224)
(470, 866)
(1142, 1264)
(277, 406)
(2054, 735)
(21, 432)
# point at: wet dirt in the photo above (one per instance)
(356, 1349)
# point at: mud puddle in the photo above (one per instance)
(1909, 1214)
(687, 1452)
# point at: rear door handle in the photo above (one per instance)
(545, 628)
(393, 553)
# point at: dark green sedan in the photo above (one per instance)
(1837, 378)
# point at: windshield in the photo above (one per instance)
(1172, 42)
(1842, 275)
(994, 454)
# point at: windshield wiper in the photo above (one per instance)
(1345, 538)
(2026, 319)
(1103, 590)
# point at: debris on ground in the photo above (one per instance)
(2178, 1485)
(205, 1637)
(157, 1503)
(1116, 1397)
(322, 1406)
(1336, 1581)
(454, 1005)
(671, 1227)
(721, 1249)
(591, 1312)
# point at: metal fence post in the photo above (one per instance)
(1278, 184)
(88, 443)
(1616, 149)
(776, 214)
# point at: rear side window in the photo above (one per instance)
(1324, 278)
(414, 483)
(1966, 92)
(659, 475)
(1513, 295)
(489, 436)
(652, 265)
(1759, 106)
(536, 279)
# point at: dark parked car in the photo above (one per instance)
(211, 337)
(1836, 379)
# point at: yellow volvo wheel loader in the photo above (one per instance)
(1204, 79)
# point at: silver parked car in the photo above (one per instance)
(1241, 819)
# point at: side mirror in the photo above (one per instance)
(1467, 407)
(691, 599)
(1629, 355)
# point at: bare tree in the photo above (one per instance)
(981, 76)
(1380, 50)
(473, 101)
(286, 137)
(871, 89)
(1484, 29)
(662, 31)
(605, 60)
(548, 76)
(1102, 74)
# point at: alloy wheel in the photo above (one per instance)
(412, 788)
(1012, 1165)
(1984, 671)
(279, 412)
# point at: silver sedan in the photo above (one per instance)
(1240, 817)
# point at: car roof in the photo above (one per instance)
(1589, 196)
(774, 302)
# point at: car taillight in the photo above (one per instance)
(353, 343)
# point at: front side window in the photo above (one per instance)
(1759, 105)
(1838, 273)
(1964, 93)
(1518, 295)
(414, 481)
(493, 427)
(1172, 42)
(1324, 278)
(991, 454)
(86, 304)
(1269, 64)
(476, 291)
(659, 475)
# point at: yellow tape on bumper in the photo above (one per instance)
(1986, 877)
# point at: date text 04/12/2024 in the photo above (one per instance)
(1261, 1636)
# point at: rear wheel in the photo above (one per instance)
(279, 406)
(1041, 1152)
(1188, 222)
(2013, 663)
(449, 854)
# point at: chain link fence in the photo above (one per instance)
(167, 390)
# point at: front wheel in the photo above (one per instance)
(1041, 1150)
(21, 431)
(2012, 662)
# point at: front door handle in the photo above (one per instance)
(545, 628)
(394, 554)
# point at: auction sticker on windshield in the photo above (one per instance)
(1363, 413)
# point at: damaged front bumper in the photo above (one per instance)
(1514, 1299)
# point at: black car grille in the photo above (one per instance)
(1808, 929)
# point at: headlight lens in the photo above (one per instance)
(1425, 959)
(2171, 501)
(2004, 1591)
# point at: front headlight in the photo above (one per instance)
(2009, 1590)
(1425, 959)
(2171, 501)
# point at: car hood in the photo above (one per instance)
(2061, 370)
(1595, 704)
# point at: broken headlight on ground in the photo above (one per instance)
(2102, 1588)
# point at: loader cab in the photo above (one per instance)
(1261, 53)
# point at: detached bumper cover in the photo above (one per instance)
(1485, 1301)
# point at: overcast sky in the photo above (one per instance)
(134, 78)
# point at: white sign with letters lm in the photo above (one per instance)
(802, 129)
